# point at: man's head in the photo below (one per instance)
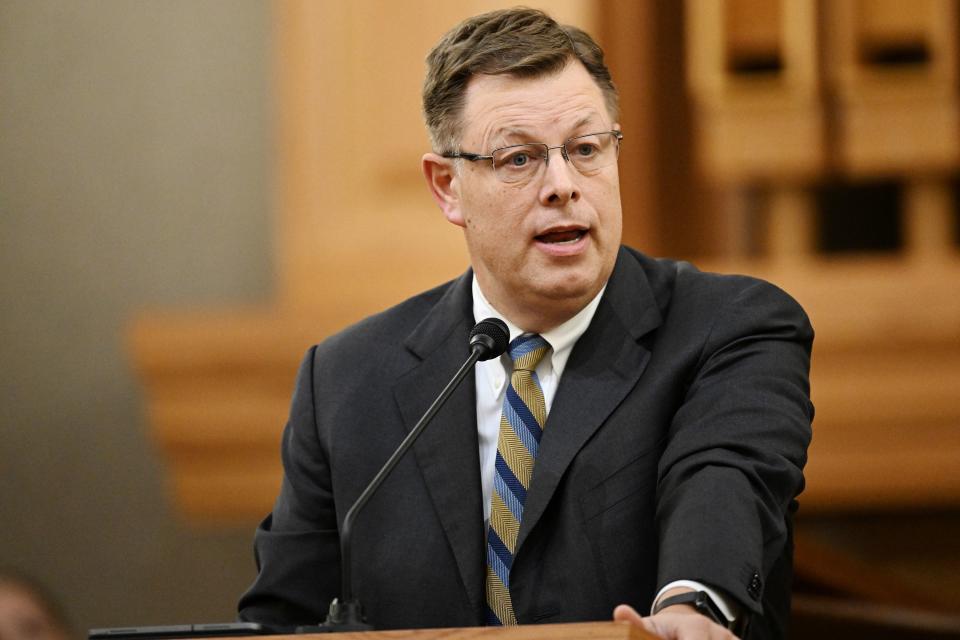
(542, 226)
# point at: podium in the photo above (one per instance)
(570, 631)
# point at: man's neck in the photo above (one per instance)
(538, 322)
(536, 317)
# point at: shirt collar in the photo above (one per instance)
(561, 338)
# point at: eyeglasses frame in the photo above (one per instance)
(474, 157)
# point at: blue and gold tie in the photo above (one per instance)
(524, 414)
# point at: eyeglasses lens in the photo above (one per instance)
(588, 154)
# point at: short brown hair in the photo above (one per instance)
(521, 42)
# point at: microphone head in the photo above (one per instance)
(489, 338)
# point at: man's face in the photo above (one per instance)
(543, 248)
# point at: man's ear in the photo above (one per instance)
(443, 182)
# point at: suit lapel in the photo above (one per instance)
(447, 450)
(603, 368)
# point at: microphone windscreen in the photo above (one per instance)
(492, 336)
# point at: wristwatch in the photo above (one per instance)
(701, 601)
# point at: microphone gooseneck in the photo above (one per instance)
(488, 340)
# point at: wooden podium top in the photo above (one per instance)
(571, 631)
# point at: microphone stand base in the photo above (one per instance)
(342, 616)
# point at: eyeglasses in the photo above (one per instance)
(522, 162)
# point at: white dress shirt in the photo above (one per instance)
(492, 378)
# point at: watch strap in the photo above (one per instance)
(701, 601)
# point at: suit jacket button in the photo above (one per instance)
(753, 589)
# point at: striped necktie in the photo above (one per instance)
(524, 414)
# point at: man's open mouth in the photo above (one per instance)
(562, 237)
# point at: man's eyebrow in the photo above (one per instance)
(585, 120)
(509, 134)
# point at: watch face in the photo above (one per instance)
(705, 605)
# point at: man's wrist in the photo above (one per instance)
(697, 601)
(730, 607)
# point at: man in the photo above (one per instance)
(641, 444)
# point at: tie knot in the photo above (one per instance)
(527, 351)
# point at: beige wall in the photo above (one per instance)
(135, 143)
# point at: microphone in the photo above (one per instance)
(488, 340)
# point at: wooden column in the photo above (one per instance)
(893, 75)
(752, 73)
(927, 212)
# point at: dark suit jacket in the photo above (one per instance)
(674, 449)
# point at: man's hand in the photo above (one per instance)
(679, 622)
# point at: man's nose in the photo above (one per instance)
(559, 180)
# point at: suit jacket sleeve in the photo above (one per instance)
(298, 543)
(736, 447)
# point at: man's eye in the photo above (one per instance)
(518, 159)
(585, 150)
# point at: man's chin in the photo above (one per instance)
(570, 290)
